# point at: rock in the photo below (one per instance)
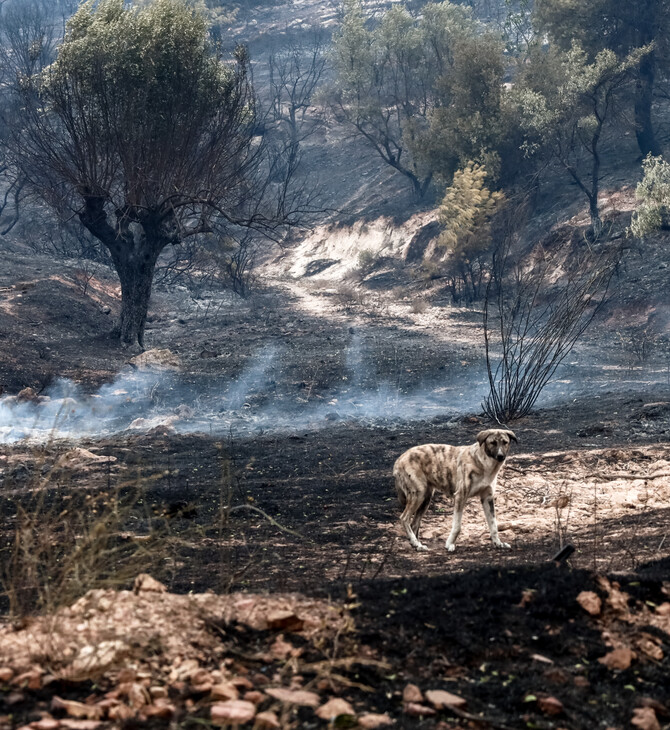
(76, 709)
(184, 411)
(46, 723)
(208, 354)
(224, 691)
(590, 602)
(441, 699)
(28, 395)
(550, 705)
(618, 658)
(6, 673)
(94, 659)
(70, 724)
(77, 458)
(412, 693)
(156, 360)
(106, 309)
(371, 721)
(144, 583)
(294, 696)
(645, 719)
(334, 708)
(30, 680)
(162, 709)
(138, 696)
(254, 696)
(661, 409)
(420, 242)
(416, 710)
(317, 266)
(232, 712)
(284, 621)
(267, 720)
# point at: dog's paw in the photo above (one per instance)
(500, 544)
(450, 548)
(422, 548)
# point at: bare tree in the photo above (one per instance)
(535, 310)
(295, 73)
(28, 38)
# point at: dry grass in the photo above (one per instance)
(66, 541)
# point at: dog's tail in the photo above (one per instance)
(397, 475)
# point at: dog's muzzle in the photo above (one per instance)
(500, 457)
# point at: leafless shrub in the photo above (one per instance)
(535, 310)
(639, 344)
(350, 297)
(63, 240)
(66, 541)
(82, 276)
(419, 306)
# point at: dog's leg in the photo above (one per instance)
(459, 506)
(414, 494)
(489, 507)
(416, 522)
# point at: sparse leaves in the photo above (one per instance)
(654, 194)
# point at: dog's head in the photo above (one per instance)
(496, 442)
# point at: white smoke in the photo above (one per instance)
(260, 401)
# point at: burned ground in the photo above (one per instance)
(307, 505)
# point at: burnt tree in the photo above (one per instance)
(142, 131)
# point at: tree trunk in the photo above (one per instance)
(596, 221)
(136, 273)
(644, 91)
(134, 258)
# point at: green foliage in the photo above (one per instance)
(599, 24)
(654, 192)
(146, 73)
(466, 211)
(620, 27)
(564, 100)
(468, 120)
(423, 91)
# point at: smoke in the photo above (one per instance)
(254, 402)
(262, 400)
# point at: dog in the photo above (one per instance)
(461, 471)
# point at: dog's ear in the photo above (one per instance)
(482, 436)
(512, 436)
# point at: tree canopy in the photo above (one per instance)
(620, 27)
(405, 81)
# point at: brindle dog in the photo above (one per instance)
(461, 471)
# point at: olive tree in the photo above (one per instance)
(566, 103)
(149, 137)
(621, 27)
(653, 192)
(405, 81)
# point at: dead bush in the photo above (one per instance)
(350, 297)
(419, 306)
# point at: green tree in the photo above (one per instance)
(654, 193)
(621, 27)
(141, 130)
(565, 103)
(465, 212)
(404, 82)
